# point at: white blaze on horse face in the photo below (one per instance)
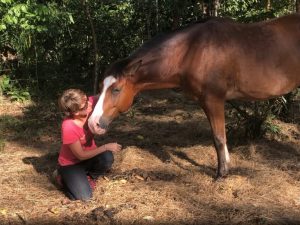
(98, 110)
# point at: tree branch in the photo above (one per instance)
(95, 45)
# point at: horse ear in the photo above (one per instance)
(133, 67)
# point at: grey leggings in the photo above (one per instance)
(74, 177)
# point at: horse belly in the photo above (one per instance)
(267, 85)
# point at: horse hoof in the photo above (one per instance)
(220, 178)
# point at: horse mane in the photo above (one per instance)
(159, 40)
(148, 50)
(153, 49)
(117, 68)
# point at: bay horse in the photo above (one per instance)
(214, 61)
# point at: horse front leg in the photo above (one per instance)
(214, 110)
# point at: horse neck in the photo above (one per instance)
(156, 81)
(160, 60)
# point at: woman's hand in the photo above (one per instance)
(113, 147)
(98, 131)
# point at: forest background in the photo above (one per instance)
(165, 172)
(48, 46)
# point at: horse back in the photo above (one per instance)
(249, 61)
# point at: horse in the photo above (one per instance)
(214, 61)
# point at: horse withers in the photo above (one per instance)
(214, 61)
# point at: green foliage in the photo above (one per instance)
(289, 113)
(18, 95)
(12, 90)
(256, 118)
(255, 10)
(5, 85)
(30, 29)
(270, 127)
(52, 40)
(54, 43)
(29, 20)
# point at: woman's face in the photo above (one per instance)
(85, 108)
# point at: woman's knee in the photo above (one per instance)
(109, 157)
(104, 161)
(84, 196)
(80, 192)
(75, 183)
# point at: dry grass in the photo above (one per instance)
(164, 175)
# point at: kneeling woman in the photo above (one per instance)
(80, 160)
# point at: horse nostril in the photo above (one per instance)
(103, 124)
(99, 125)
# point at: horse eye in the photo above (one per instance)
(116, 90)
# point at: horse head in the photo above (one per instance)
(118, 91)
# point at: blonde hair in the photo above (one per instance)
(70, 101)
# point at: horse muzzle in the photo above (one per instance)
(97, 127)
(103, 123)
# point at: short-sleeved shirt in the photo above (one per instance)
(70, 133)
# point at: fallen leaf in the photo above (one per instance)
(297, 202)
(54, 210)
(139, 177)
(105, 178)
(21, 218)
(65, 201)
(140, 137)
(148, 218)
(123, 181)
(3, 212)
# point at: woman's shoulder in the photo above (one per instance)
(93, 99)
(68, 123)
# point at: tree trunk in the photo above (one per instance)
(297, 6)
(268, 6)
(95, 46)
(210, 8)
(148, 18)
(157, 16)
(175, 15)
(205, 9)
(216, 7)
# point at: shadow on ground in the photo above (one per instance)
(40, 128)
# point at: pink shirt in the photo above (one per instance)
(70, 133)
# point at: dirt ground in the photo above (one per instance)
(164, 175)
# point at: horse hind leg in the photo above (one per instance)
(223, 156)
(214, 110)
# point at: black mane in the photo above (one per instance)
(154, 48)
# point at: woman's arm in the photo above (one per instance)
(81, 154)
